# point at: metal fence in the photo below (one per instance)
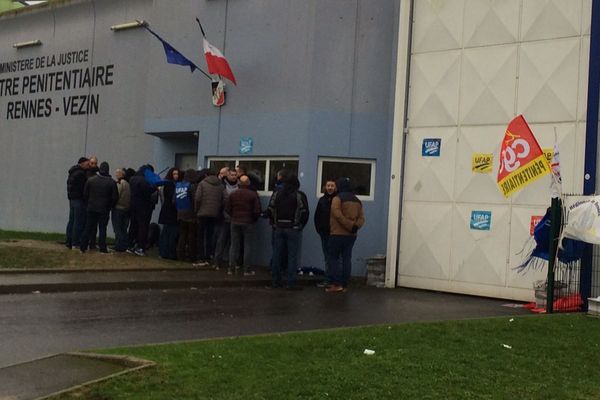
(596, 272)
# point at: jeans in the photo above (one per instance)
(76, 222)
(223, 244)
(340, 246)
(186, 244)
(325, 249)
(285, 238)
(95, 219)
(138, 230)
(120, 222)
(206, 239)
(167, 246)
(240, 233)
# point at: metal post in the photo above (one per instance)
(555, 225)
(591, 144)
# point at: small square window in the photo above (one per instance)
(361, 174)
(263, 171)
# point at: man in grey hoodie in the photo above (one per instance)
(209, 205)
(230, 184)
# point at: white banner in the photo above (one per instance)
(582, 218)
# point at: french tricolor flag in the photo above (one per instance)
(217, 63)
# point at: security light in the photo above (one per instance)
(30, 43)
(128, 25)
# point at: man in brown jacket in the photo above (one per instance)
(347, 217)
(243, 205)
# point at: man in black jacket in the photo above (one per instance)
(322, 215)
(101, 195)
(288, 210)
(75, 186)
(141, 211)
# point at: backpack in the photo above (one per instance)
(183, 197)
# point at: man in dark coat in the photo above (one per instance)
(243, 206)
(167, 217)
(208, 206)
(101, 195)
(288, 210)
(75, 186)
(141, 207)
(322, 214)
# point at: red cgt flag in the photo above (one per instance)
(217, 63)
(522, 161)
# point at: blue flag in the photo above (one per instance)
(173, 56)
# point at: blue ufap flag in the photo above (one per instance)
(174, 56)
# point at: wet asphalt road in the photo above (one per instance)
(36, 325)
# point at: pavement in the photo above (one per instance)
(74, 311)
(64, 280)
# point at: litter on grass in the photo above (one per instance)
(369, 352)
(506, 346)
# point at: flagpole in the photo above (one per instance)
(201, 29)
(161, 39)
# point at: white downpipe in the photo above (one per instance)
(400, 109)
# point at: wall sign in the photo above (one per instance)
(246, 145)
(481, 163)
(56, 84)
(431, 147)
(481, 220)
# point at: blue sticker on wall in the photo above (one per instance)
(432, 147)
(481, 220)
(246, 145)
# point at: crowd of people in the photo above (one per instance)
(208, 218)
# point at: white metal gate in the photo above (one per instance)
(475, 64)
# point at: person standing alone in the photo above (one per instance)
(347, 217)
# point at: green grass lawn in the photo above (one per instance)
(552, 357)
(35, 250)
(16, 235)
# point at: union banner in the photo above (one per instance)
(522, 161)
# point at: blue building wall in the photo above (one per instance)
(315, 79)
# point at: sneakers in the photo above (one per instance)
(130, 250)
(335, 289)
(139, 252)
(249, 273)
(229, 271)
(200, 264)
(323, 284)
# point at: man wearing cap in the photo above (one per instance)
(75, 185)
(101, 195)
